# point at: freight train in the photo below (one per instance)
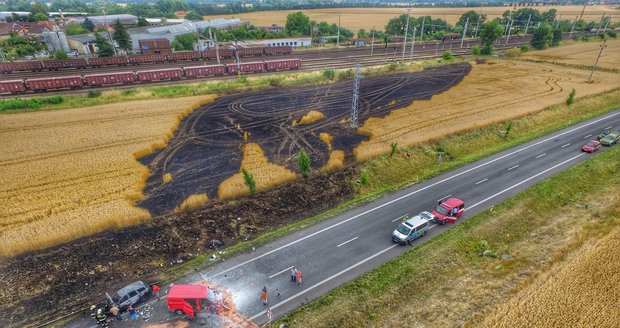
(54, 65)
(132, 77)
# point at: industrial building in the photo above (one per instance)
(99, 21)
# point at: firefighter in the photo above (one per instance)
(101, 319)
(93, 311)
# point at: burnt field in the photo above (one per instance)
(207, 147)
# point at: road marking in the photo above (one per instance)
(400, 217)
(568, 144)
(348, 241)
(481, 181)
(512, 168)
(444, 197)
(413, 193)
(607, 128)
(275, 274)
(542, 155)
(588, 136)
(523, 181)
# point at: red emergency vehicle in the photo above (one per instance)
(448, 211)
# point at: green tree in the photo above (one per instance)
(542, 36)
(193, 16)
(121, 36)
(571, 98)
(298, 24)
(549, 16)
(142, 22)
(396, 25)
(88, 24)
(250, 182)
(556, 38)
(447, 55)
(170, 6)
(473, 19)
(184, 42)
(489, 33)
(104, 47)
(39, 8)
(75, 29)
(303, 161)
(362, 34)
(40, 17)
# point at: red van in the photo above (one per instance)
(448, 211)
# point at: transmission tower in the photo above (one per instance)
(356, 95)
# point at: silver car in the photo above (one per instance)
(131, 294)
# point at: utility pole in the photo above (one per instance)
(412, 45)
(477, 24)
(584, 9)
(601, 23)
(356, 95)
(603, 46)
(217, 48)
(509, 30)
(464, 33)
(107, 27)
(338, 37)
(557, 21)
(570, 36)
(606, 22)
(527, 26)
(372, 41)
(422, 30)
(405, 39)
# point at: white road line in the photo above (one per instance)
(541, 155)
(415, 192)
(588, 136)
(568, 144)
(444, 197)
(275, 274)
(512, 168)
(607, 128)
(400, 217)
(346, 242)
(481, 181)
(523, 181)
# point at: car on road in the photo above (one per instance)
(412, 229)
(448, 211)
(591, 146)
(610, 138)
(131, 294)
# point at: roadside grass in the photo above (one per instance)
(445, 281)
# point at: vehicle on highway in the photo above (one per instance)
(591, 146)
(412, 229)
(610, 138)
(448, 211)
(194, 301)
(131, 294)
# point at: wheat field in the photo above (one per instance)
(71, 173)
(492, 92)
(357, 18)
(581, 53)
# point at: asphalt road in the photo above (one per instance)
(340, 249)
(348, 245)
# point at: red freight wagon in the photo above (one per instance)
(160, 75)
(246, 52)
(278, 50)
(194, 55)
(211, 54)
(253, 67)
(21, 66)
(14, 86)
(64, 63)
(97, 80)
(70, 82)
(204, 71)
(104, 61)
(276, 65)
(141, 59)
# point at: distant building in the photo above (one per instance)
(84, 44)
(274, 28)
(359, 42)
(7, 16)
(155, 46)
(100, 21)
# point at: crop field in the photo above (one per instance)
(492, 92)
(581, 53)
(71, 173)
(206, 150)
(379, 17)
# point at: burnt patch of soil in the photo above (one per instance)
(206, 149)
(47, 284)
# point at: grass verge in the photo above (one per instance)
(446, 280)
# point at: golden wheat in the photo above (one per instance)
(267, 175)
(311, 117)
(193, 202)
(70, 173)
(581, 53)
(492, 92)
(167, 177)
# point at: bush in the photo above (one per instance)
(475, 50)
(585, 38)
(303, 161)
(525, 48)
(513, 53)
(392, 67)
(33, 103)
(487, 50)
(571, 98)
(601, 36)
(94, 93)
(60, 55)
(243, 78)
(329, 74)
(447, 55)
(250, 182)
(275, 82)
(348, 74)
(129, 92)
(363, 180)
(612, 34)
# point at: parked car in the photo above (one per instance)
(591, 146)
(412, 229)
(448, 211)
(131, 294)
(73, 54)
(610, 138)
